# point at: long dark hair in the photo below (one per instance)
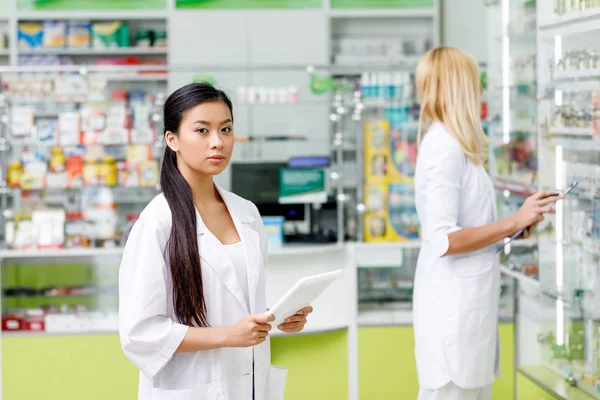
(182, 247)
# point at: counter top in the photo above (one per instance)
(399, 317)
(288, 249)
(553, 383)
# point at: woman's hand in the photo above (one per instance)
(527, 232)
(533, 210)
(250, 331)
(295, 323)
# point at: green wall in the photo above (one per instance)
(93, 367)
(388, 370)
(90, 367)
(247, 4)
(381, 3)
(79, 5)
(317, 364)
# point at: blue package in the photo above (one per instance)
(30, 35)
(274, 229)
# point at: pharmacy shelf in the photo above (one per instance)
(520, 188)
(524, 243)
(26, 334)
(522, 278)
(576, 86)
(383, 13)
(304, 249)
(62, 253)
(416, 244)
(572, 131)
(96, 52)
(577, 75)
(92, 15)
(286, 250)
(137, 77)
(587, 245)
(573, 18)
(577, 144)
(519, 36)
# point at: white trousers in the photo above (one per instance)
(452, 392)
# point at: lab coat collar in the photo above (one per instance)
(241, 214)
(237, 207)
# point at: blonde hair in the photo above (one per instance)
(448, 89)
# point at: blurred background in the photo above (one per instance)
(326, 123)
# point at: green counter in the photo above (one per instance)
(538, 382)
(387, 367)
(93, 367)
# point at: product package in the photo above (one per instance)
(46, 131)
(75, 171)
(3, 41)
(93, 124)
(596, 114)
(160, 39)
(138, 153)
(117, 131)
(403, 153)
(22, 121)
(55, 34)
(69, 129)
(34, 175)
(79, 34)
(390, 159)
(30, 35)
(274, 230)
(106, 35)
(149, 173)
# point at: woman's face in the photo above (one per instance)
(204, 142)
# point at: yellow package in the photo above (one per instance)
(376, 154)
(148, 173)
(402, 154)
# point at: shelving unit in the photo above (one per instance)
(578, 17)
(119, 51)
(411, 13)
(96, 15)
(556, 319)
(572, 131)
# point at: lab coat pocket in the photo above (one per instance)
(472, 265)
(276, 383)
(211, 391)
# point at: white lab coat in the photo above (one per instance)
(455, 301)
(150, 333)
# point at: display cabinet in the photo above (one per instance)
(558, 320)
(80, 156)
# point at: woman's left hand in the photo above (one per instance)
(295, 323)
(527, 232)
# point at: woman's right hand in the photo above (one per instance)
(250, 331)
(534, 208)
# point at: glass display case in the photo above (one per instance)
(559, 321)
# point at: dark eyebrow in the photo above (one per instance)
(208, 123)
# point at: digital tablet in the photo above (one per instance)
(301, 295)
(519, 233)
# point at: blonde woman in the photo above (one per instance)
(457, 282)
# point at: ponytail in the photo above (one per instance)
(182, 247)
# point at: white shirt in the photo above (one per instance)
(150, 332)
(455, 302)
(238, 259)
